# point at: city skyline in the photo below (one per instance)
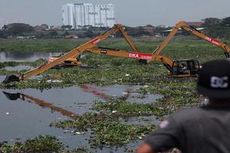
(128, 12)
(79, 15)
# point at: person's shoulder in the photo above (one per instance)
(189, 110)
(188, 114)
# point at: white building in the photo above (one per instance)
(87, 14)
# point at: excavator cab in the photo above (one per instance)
(185, 67)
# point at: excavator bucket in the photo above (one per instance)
(11, 78)
(12, 96)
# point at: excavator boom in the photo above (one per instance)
(73, 53)
(183, 25)
(120, 53)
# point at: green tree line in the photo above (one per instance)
(215, 27)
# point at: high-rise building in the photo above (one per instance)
(79, 15)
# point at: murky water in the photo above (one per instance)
(2, 77)
(142, 120)
(22, 118)
(28, 113)
(130, 93)
(18, 68)
(17, 56)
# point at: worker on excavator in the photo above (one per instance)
(205, 129)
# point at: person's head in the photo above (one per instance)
(214, 80)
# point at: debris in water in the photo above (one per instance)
(125, 93)
(54, 81)
(79, 133)
(67, 131)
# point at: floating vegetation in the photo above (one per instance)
(125, 108)
(106, 129)
(115, 133)
(40, 144)
(106, 121)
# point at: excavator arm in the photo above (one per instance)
(74, 61)
(70, 57)
(183, 25)
(73, 53)
(184, 68)
(181, 68)
(127, 38)
(120, 53)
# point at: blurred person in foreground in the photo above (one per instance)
(205, 129)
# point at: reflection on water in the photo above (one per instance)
(129, 93)
(41, 103)
(28, 56)
(28, 113)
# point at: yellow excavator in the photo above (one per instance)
(183, 25)
(177, 68)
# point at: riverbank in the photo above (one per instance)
(183, 47)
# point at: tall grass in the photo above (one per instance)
(180, 47)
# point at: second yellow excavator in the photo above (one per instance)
(183, 25)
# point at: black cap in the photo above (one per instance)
(214, 79)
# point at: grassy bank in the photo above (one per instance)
(35, 45)
(179, 46)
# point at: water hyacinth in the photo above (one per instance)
(106, 120)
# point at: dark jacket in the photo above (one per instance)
(196, 130)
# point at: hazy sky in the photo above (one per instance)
(128, 12)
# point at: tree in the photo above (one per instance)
(53, 33)
(89, 33)
(66, 27)
(217, 27)
(2, 34)
(226, 22)
(18, 29)
(66, 33)
(208, 22)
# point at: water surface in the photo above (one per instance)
(25, 57)
(29, 112)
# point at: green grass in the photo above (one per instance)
(180, 47)
(38, 45)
